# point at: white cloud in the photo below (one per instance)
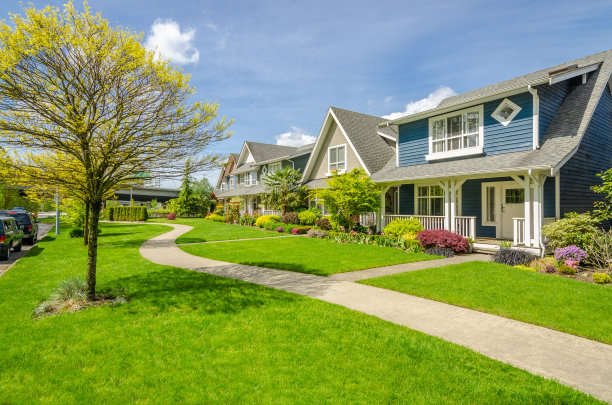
(295, 137)
(388, 99)
(429, 102)
(168, 40)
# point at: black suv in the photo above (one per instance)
(11, 237)
(27, 223)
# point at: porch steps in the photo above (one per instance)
(485, 248)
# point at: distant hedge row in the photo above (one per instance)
(127, 213)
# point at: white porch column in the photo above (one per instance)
(452, 204)
(380, 224)
(538, 183)
(447, 204)
(527, 187)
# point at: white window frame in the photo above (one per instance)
(223, 186)
(316, 203)
(232, 183)
(275, 167)
(416, 199)
(474, 150)
(338, 161)
(502, 120)
(496, 203)
(253, 177)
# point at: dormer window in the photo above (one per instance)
(459, 133)
(336, 158)
(506, 112)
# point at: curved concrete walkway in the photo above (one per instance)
(581, 363)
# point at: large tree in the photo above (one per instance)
(283, 189)
(85, 108)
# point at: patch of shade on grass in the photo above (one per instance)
(207, 231)
(306, 255)
(542, 299)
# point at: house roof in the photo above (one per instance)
(259, 189)
(265, 151)
(517, 83)
(558, 144)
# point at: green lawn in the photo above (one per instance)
(305, 255)
(191, 337)
(567, 305)
(206, 231)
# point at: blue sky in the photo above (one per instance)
(276, 66)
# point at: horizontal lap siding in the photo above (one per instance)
(406, 197)
(299, 163)
(593, 156)
(413, 142)
(551, 98)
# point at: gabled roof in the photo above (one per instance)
(233, 157)
(264, 151)
(559, 143)
(508, 86)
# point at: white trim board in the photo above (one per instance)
(350, 143)
(573, 73)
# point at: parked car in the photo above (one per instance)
(27, 223)
(11, 237)
(18, 209)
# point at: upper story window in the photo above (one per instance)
(223, 186)
(232, 183)
(506, 112)
(274, 167)
(459, 133)
(250, 179)
(336, 158)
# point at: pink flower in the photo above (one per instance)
(572, 263)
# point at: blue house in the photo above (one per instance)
(503, 160)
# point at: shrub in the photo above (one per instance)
(523, 267)
(440, 251)
(71, 289)
(171, 216)
(550, 269)
(75, 233)
(317, 233)
(232, 213)
(402, 227)
(570, 253)
(543, 264)
(601, 278)
(599, 250)
(307, 217)
(290, 218)
(263, 220)
(513, 257)
(215, 217)
(301, 230)
(127, 214)
(443, 238)
(280, 229)
(566, 270)
(323, 223)
(410, 245)
(575, 229)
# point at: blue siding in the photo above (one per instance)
(594, 155)
(299, 163)
(406, 197)
(518, 135)
(551, 98)
(471, 204)
(549, 198)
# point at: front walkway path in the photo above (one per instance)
(575, 361)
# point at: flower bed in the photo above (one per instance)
(410, 245)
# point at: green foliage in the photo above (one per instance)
(75, 233)
(307, 217)
(523, 267)
(189, 202)
(348, 196)
(232, 213)
(290, 217)
(603, 209)
(247, 219)
(543, 264)
(575, 229)
(127, 213)
(407, 228)
(264, 220)
(566, 270)
(599, 249)
(411, 245)
(601, 278)
(10, 198)
(76, 213)
(283, 189)
(215, 217)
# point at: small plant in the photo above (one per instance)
(601, 278)
(513, 257)
(543, 263)
(215, 217)
(443, 238)
(505, 244)
(75, 233)
(290, 218)
(599, 250)
(316, 233)
(550, 269)
(295, 231)
(566, 270)
(307, 217)
(405, 227)
(171, 216)
(323, 223)
(280, 229)
(440, 251)
(570, 253)
(263, 220)
(523, 267)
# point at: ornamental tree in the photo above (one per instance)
(284, 190)
(349, 195)
(86, 109)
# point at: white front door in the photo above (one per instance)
(512, 206)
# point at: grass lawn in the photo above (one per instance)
(206, 231)
(567, 305)
(306, 255)
(197, 338)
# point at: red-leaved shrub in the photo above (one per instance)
(444, 239)
(171, 216)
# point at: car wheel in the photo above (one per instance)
(7, 256)
(18, 247)
(29, 241)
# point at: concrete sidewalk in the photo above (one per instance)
(575, 361)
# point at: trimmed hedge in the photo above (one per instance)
(127, 213)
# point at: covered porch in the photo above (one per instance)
(487, 210)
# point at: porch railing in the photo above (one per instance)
(519, 230)
(367, 219)
(271, 212)
(466, 226)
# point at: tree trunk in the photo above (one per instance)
(86, 224)
(92, 247)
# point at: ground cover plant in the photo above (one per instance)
(552, 301)
(305, 255)
(194, 338)
(206, 231)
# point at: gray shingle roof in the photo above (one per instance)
(303, 149)
(562, 137)
(361, 130)
(240, 191)
(265, 151)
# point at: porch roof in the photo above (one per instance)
(252, 190)
(558, 144)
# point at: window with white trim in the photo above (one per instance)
(489, 205)
(316, 203)
(336, 158)
(232, 183)
(274, 167)
(250, 179)
(458, 133)
(505, 112)
(430, 200)
(223, 186)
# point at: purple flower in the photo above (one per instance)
(570, 253)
